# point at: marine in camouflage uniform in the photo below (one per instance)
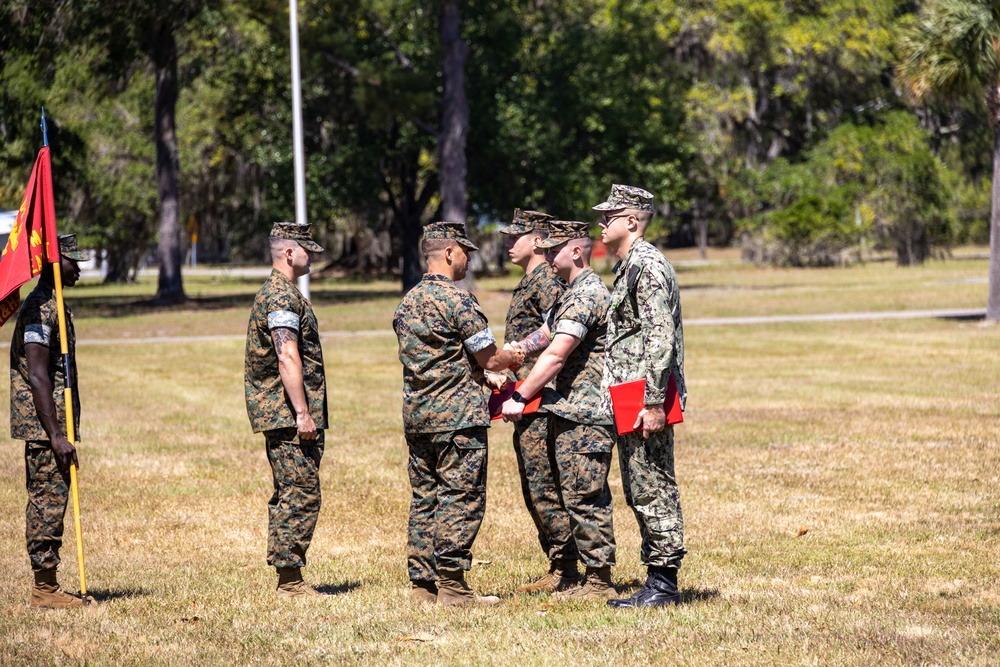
(580, 432)
(42, 425)
(646, 340)
(533, 297)
(282, 320)
(441, 329)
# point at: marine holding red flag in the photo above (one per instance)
(32, 241)
(44, 409)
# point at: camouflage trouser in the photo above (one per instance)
(540, 488)
(448, 477)
(651, 491)
(294, 508)
(583, 456)
(48, 493)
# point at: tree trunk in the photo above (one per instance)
(701, 224)
(413, 201)
(993, 302)
(454, 116)
(121, 262)
(410, 237)
(170, 288)
(454, 124)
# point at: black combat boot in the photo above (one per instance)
(659, 590)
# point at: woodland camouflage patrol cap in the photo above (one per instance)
(68, 248)
(627, 196)
(527, 221)
(561, 231)
(296, 232)
(449, 230)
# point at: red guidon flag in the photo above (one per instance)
(33, 241)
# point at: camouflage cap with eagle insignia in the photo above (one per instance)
(69, 249)
(561, 231)
(449, 230)
(627, 196)
(527, 221)
(296, 232)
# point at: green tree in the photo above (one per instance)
(564, 99)
(954, 48)
(236, 147)
(89, 60)
(769, 79)
(98, 129)
(568, 97)
(150, 28)
(870, 186)
(373, 72)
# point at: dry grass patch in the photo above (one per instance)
(839, 484)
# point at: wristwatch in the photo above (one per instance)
(516, 396)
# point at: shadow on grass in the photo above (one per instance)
(626, 589)
(973, 317)
(105, 595)
(338, 589)
(118, 306)
(698, 594)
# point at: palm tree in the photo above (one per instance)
(954, 48)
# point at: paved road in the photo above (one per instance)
(708, 321)
(841, 317)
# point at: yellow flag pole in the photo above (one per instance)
(74, 488)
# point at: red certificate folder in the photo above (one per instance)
(498, 398)
(628, 398)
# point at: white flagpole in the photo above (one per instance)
(300, 162)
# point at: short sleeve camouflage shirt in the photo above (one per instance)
(645, 331)
(439, 327)
(532, 298)
(280, 304)
(581, 312)
(38, 322)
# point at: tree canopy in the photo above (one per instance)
(809, 132)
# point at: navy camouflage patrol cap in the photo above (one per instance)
(627, 196)
(69, 249)
(561, 231)
(527, 221)
(449, 230)
(296, 232)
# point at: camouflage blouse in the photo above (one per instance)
(645, 332)
(532, 298)
(439, 327)
(581, 312)
(280, 304)
(38, 322)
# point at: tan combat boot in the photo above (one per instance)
(46, 594)
(291, 584)
(424, 592)
(454, 592)
(562, 576)
(597, 586)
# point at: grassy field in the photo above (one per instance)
(839, 481)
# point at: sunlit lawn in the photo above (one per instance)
(839, 480)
